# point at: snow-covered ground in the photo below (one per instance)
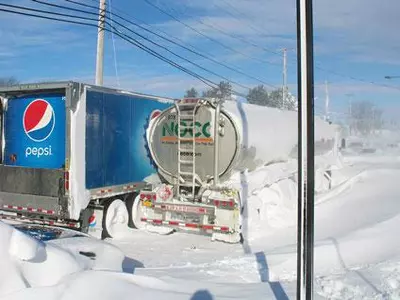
(357, 249)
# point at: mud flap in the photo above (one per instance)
(95, 223)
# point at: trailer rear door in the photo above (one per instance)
(34, 131)
(34, 135)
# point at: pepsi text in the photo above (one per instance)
(38, 151)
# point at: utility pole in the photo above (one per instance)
(306, 174)
(284, 85)
(100, 43)
(350, 112)
(326, 101)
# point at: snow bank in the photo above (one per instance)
(26, 262)
(270, 192)
(28, 265)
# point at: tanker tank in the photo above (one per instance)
(250, 136)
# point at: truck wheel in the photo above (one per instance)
(115, 219)
(130, 200)
(135, 212)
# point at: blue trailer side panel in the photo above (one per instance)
(34, 128)
(115, 138)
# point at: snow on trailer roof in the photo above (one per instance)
(26, 87)
(59, 85)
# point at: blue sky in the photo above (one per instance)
(355, 38)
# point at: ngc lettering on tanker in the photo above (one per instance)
(201, 130)
(38, 123)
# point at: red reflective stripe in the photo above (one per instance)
(157, 221)
(202, 210)
(30, 209)
(143, 219)
(191, 225)
(207, 227)
(176, 223)
(66, 180)
(224, 228)
(216, 202)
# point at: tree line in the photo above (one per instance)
(365, 117)
(258, 95)
(7, 81)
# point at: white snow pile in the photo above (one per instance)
(31, 269)
(26, 262)
(270, 192)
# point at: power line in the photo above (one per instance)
(239, 19)
(196, 52)
(243, 15)
(234, 36)
(113, 41)
(206, 36)
(116, 32)
(356, 79)
(150, 41)
(315, 65)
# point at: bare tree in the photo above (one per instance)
(224, 90)
(7, 81)
(366, 118)
(191, 93)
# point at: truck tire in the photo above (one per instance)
(133, 212)
(129, 206)
(115, 218)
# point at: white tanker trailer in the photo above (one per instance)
(213, 143)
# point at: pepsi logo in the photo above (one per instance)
(39, 120)
(92, 220)
(154, 114)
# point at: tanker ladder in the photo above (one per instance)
(216, 214)
(187, 179)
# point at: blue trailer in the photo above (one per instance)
(72, 153)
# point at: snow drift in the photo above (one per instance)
(31, 269)
(26, 262)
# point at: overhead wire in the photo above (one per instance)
(181, 45)
(233, 36)
(150, 41)
(208, 37)
(245, 17)
(113, 42)
(316, 66)
(116, 32)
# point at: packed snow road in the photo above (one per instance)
(356, 249)
(356, 225)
